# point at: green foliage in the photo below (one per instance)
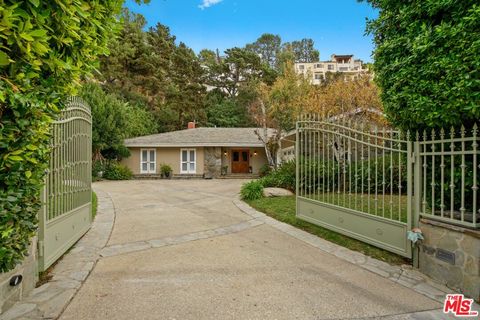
(282, 177)
(148, 67)
(225, 112)
(427, 61)
(165, 170)
(98, 167)
(252, 190)
(267, 46)
(116, 171)
(113, 121)
(46, 47)
(264, 170)
(303, 50)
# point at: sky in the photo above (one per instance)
(335, 26)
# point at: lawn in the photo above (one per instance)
(283, 209)
(94, 205)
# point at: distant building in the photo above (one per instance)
(345, 64)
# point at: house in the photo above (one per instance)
(345, 64)
(198, 152)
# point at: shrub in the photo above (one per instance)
(264, 170)
(252, 190)
(97, 167)
(165, 170)
(283, 177)
(115, 171)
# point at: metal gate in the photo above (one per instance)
(66, 213)
(353, 179)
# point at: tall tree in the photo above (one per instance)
(427, 61)
(303, 50)
(238, 67)
(277, 106)
(267, 47)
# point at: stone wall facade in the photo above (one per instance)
(212, 162)
(451, 255)
(28, 270)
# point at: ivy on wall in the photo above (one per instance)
(46, 47)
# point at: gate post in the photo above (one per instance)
(417, 192)
(297, 164)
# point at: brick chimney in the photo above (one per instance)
(191, 125)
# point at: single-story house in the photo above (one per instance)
(198, 152)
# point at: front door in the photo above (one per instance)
(240, 161)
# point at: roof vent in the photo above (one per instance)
(191, 125)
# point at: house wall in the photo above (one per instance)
(256, 162)
(170, 156)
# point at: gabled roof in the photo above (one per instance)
(201, 137)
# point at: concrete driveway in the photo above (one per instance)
(209, 260)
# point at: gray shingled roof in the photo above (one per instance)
(201, 137)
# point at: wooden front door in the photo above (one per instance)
(240, 161)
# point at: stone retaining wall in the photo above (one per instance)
(28, 269)
(451, 255)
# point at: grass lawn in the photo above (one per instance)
(283, 209)
(94, 205)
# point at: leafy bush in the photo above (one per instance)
(427, 62)
(115, 171)
(165, 170)
(264, 170)
(46, 47)
(283, 177)
(97, 168)
(252, 190)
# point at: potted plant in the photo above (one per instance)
(224, 170)
(165, 171)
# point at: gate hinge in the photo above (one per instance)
(40, 248)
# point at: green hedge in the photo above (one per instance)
(282, 177)
(46, 48)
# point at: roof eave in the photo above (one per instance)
(188, 145)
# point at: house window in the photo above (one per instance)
(148, 159)
(330, 67)
(318, 76)
(319, 66)
(301, 67)
(188, 161)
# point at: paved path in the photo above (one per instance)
(184, 250)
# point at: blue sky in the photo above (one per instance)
(335, 26)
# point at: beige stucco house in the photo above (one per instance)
(197, 152)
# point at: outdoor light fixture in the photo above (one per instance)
(255, 153)
(16, 280)
(225, 153)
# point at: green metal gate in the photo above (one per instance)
(354, 180)
(66, 213)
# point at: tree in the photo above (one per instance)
(347, 99)
(426, 61)
(225, 112)
(149, 67)
(267, 47)
(185, 93)
(113, 121)
(278, 106)
(238, 67)
(46, 47)
(304, 50)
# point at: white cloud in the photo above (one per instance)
(208, 3)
